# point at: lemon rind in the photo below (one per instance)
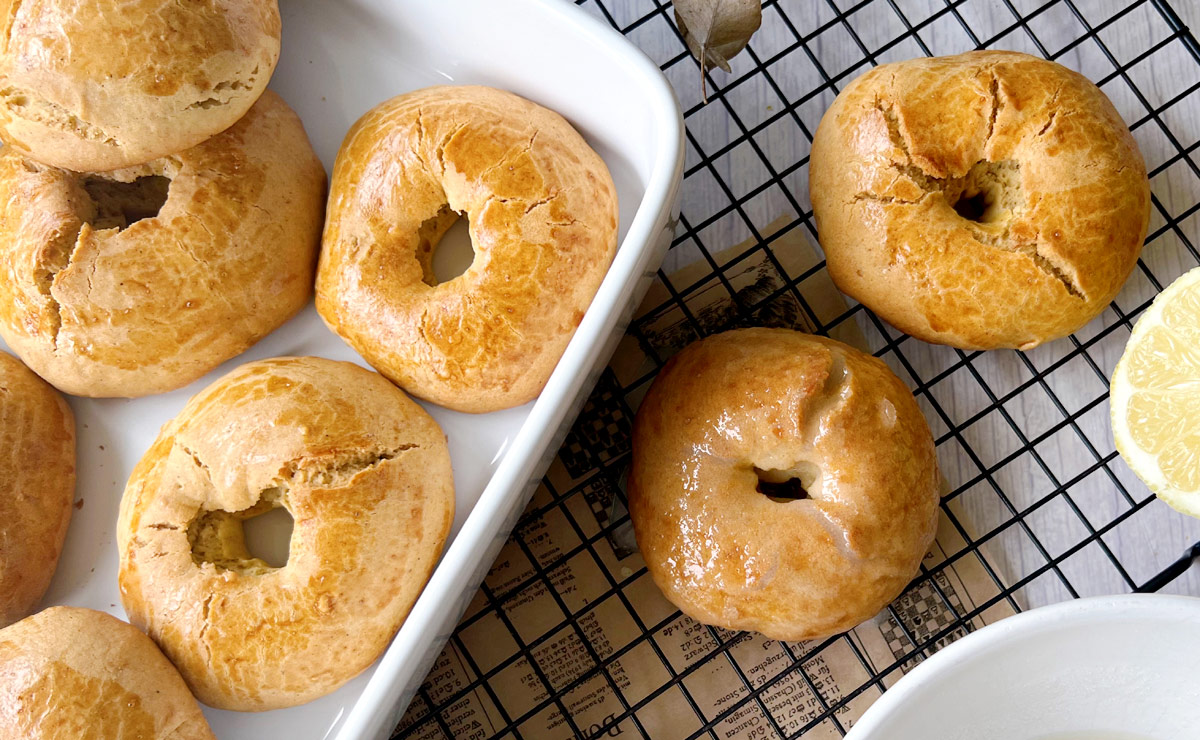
(1143, 464)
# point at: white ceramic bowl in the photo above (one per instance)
(1105, 668)
(340, 58)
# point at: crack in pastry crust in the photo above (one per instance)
(543, 222)
(140, 280)
(365, 474)
(984, 200)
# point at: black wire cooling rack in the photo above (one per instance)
(737, 182)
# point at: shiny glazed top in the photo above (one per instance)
(780, 404)
(76, 674)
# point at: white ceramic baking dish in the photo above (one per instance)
(340, 58)
(1105, 668)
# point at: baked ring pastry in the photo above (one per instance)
(37, 485)
(365, 474)
(76, 673)
(141, 280)
(781, 483)
(543, 220)
(984, 200)
(90, 86)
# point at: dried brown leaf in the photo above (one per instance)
(716, 30)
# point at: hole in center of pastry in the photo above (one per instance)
(444, 247)
(118, 205)
(791, 484)
(973, 207)
(251, 541)
(989, 192)
(269, 535)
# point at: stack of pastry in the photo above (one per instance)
(160, 212)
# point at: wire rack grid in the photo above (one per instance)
(1037, 495)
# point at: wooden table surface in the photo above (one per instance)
(1155, 535)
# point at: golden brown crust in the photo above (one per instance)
(149, 308)
(365, 474)
(1070, 198)
(37, 471)
(779, 400)
(76, 674)
(543, 215)
(92, 85)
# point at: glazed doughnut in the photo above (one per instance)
(76, 673)
(91, 85)
(105, 293)
(365, 474)
(37, 485)
(543, 221)
(781, 483)
(990, 199)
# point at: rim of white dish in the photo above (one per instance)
(1017, 628)
(378, 697)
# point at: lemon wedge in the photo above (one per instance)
(1155, 396)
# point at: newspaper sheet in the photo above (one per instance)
(594, 591)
